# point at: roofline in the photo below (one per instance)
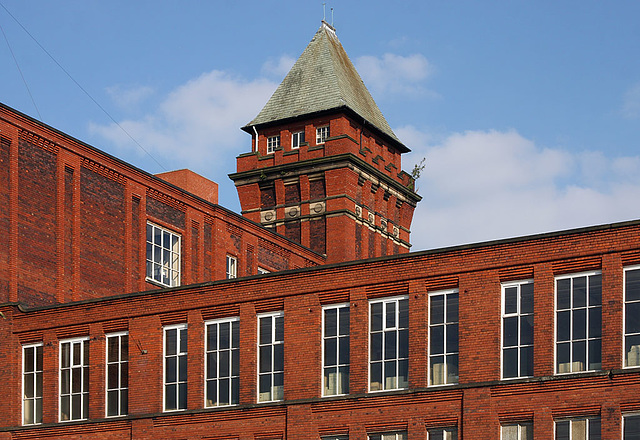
(124, 164)
(513, 240)
(342, 109)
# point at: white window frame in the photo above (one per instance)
(449, 433)
(446, 353)
(397, 329)
(625, 353)
(521, 430)
(273, 143)
(36, 373)
(274, 342)
(322, 133)
(233, 364)
(520, 316)
(232, 267)
(163, 265)
(588, 421)
(120, 364)
(295, 139)
(179, 353)
(341, 338)
(571, 339)
(83, 366)
(388, 435)
(625, 417)
(262, 270)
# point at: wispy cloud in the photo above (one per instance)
(484, 185)
(278, 67)
(197, 124)
(631, 102)
(394, 74)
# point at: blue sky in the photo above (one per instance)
(528, 113)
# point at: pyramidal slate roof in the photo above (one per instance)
(323, 79)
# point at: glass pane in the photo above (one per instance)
(66, 357)
(343, 380)
(563, 294)
(376, 316)
(632, 318)
(182, 396)
(594, 428)
(526, 298)
(436, 339)
(344, 350)
(113, 349)
(223, 391)
(578, 430)
(595, 290)
(632, 427)
(330, 322)
(29, 360)
(526, 330)
(278, 357)
(562, 430)
(510, 301)
(65, 406)
(212, 392)
(124, 402)
(403, 373)
(112, 376)
(330, 381)
(279, 329)
(632, 351)
(112, 403)
(171, 341)
(265, 359)
(124, 375)
(564, 357)
(564, 326)
(437, 370)
(632, 285)
(65, 384)
(29, 383)
(452, 368)
(390, 345)
(579, 292)
(344, 320)
(390, 315)
(235, 362)
(510, 432)
(390, 375)
(510, 362)
(595, 354)
(403, 313)
(212, 365)
(182, 368)
(124, 348)
(76, 407)
(76, 380)
(579, 324)
(225, 335)
(452, 338)
(436, 309)
(526, 361)
(235, 390)
(278, 386)
(510, 331)
(376, 376)
(224, 363)
(579, 356)
(595, 322)
(38, 414)
(38, 384)
(171, 364)
(376, 346)
(403, 343)
(212, 337)
(183, 340)
(265, 330)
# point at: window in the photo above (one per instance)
(517, 329)
(388, 436)
(74, 379)
(632, 317)
(262, 271)
(232, 267)
(578, 429)
(117, 374)
(517, 431)
(297, 139)
(163, 256)
(389, 344)
(322, 133)
(273, 142)
(271, 357)
(335, 350)
(222, 362)
(443, 338)
(175, 367)
(631, 427)
(31, 384)
(443, 434)
(578, 323)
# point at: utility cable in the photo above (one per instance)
(83, 89)
(20, 71)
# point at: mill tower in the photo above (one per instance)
(325, 167)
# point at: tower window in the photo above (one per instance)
(297, 139)
(322, 133)
(273, 142)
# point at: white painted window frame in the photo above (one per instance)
(172, 266)
(232, 267)
(84, 366)
(322, 133)
(624, 318)
(338, 337)
(519, 315)
(295, 139)
(446, 353)
(273, 316)
(273, 143)
(178, 382)
(521, 430)
(572, 420)
(234, 358)
(35, 372)
(120, 364)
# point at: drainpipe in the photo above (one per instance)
(255, 145)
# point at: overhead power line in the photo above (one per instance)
(80, 87)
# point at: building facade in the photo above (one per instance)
(134, 306)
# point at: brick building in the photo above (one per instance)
(134, 306)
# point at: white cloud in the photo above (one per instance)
(278, 67)
(393, 73)
(197, 124)
(125, 97)
(631, 103)
(485, 185)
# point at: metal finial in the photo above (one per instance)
(324, 11)
(331, 17)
